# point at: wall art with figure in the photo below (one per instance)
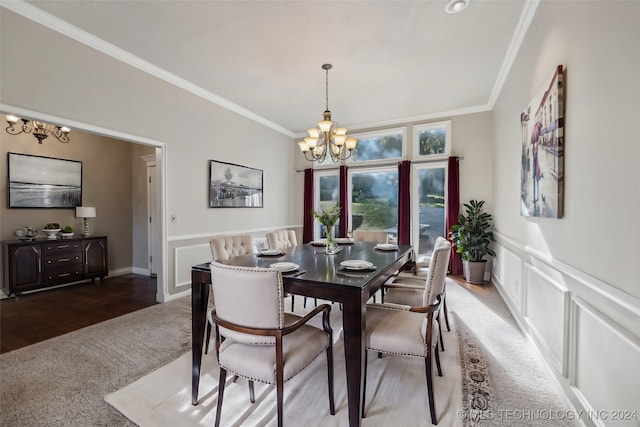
(542, 174)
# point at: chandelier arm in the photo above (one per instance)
(13, 131)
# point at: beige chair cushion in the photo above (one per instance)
(398, 331)
(370, 236)
(236, 288)
(258, 362)
(224, 248)
(282, 239)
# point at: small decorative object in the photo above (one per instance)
(67, 232)
(328, 219)
(234, 186)
(85, 212)
(52, 229)
(471, 238)
(26, 233)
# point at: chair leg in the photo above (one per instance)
(438, 362)
(332, 406)
(223, 376)
(364, 383)
(304, 302)
(252, 395)
(292, 299)
(446, 313)
(432, 403)
(440, 332)
(279, 394)
(208, 338)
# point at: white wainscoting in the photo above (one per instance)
(587, 331)
(547, 314)
(605, 370)
(187, 256)
(187, 251)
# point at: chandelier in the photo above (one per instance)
(327, 137)
(40, 130)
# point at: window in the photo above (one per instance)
(326, 193)
(432, 141)
(379, 147)
(373, 197)
(428, 211)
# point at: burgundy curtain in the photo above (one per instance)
(344, 204)
(404, 205)
(453, 210)
(307, 215)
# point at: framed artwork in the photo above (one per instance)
(43, 182)
(542, 170)
(234, 186)
(432, 140)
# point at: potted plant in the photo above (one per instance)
(471, 238)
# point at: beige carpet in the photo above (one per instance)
(396, 389)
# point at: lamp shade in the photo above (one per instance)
(85, 212)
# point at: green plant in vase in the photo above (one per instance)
(329, 218)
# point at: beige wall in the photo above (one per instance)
(572, 283)
(121, 99)
(110, 182)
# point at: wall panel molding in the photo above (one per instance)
(594, 350)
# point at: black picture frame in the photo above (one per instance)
(43, 182)
(234, 186)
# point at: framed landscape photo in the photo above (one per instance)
(234, 186)
(43, 182)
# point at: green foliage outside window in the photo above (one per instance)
(432, 141)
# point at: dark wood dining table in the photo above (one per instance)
(323, 278)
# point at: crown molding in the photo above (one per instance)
(526, 17)
(43, 18)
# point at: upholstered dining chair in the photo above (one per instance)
(282, 239)
(411, 330)
(370, 236)
(222, 249)
(261, 341)
(415, 278)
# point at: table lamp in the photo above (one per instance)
(85, 212)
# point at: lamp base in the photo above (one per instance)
(85, 227)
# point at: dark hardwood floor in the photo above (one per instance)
(35, 317)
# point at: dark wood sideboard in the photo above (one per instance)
(42, 263)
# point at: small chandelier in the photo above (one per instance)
(40, 130)
(327, 137)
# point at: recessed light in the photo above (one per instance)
(456, 6)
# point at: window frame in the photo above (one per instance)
(379, 134)
(417, 129)
(415, 199)
(318, 174)
(379, 168)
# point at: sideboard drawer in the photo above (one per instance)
(61, 246)
(59, 260)
(63, 275)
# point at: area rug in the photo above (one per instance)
(62, 381)
(396, 394)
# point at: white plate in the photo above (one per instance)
(270, 252)
(356, 264)
(321, 242)
(284, 267)
(344, 240)
(386, 246)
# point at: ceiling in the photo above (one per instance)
(393, 61)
